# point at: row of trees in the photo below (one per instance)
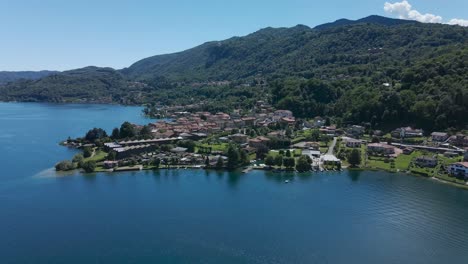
(77, 162)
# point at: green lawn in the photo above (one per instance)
(214, 147)
(98, 156)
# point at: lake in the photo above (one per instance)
(197, 216)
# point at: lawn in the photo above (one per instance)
(214, 147)
(98, 156)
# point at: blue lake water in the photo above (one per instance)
(196, 216)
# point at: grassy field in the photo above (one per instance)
(98, 156)
(214, 147)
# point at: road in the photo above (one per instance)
(332, 146)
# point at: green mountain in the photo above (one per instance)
(377, 70)
(11, 76)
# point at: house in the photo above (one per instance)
(178, 150)
(425, 161)
(408, 150)
(353, 143)
(458, 169)
(450, 154)
(311, 153)
(459, 140)
(239, 138)
(288, 120)
(381, 148)
(439, 136)
(307, 145)
(407, 132)
(328, 130)
(278, 114)
(109, 164)
(249, 121)
(258, 141)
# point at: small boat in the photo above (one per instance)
(286, 181)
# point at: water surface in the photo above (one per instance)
(196, 216)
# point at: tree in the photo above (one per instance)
(78, 158)
(269, 160)
(115, 133)
(65, 165)
(244, 157)
(89, 166)
(87, 152)
(289, 162)
(288, 153)
(127, 130)
(354, 157)
(303, 164)
(112, 155)
(233, 157)
(262, 151)
(145, 131)
(188, 144)
(207, 161)
(219, 163)
(279, 160)
(156, 162)
(94, 134)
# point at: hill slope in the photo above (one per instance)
(335, 69)
(10, 76)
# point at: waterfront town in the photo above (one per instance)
(269, 139)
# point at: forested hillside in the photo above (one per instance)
(377, 70)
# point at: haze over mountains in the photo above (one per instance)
(345, 61)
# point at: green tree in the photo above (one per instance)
(233, 157)
(145, 132)
(288, 153)
(78, 159)
(279, 160)
(112, 155)
(65, 165)
(354, 157)
(87, 152)
(95, 133)
(269, 160)
(219, 163)
(303, 164)
(115, 134)
(127, 130)
(89, 166)
(156, 162)
(289, 162)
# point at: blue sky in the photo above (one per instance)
(61, 35)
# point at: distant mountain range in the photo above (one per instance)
(11, 76)
(334, 69)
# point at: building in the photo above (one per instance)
(459, 169)
(465, 156)
(356, 131)
(353, 143)
(278, 114)
(439, 136)
(239, 138)
(407, 132)
(258, 141)
(307, 145)
(425, 161)
(381, 148)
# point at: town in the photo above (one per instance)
(268, 139)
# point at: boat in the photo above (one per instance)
(286, 181)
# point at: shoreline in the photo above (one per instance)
(138, 168)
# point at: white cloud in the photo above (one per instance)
(404, 10)
(456, 21)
